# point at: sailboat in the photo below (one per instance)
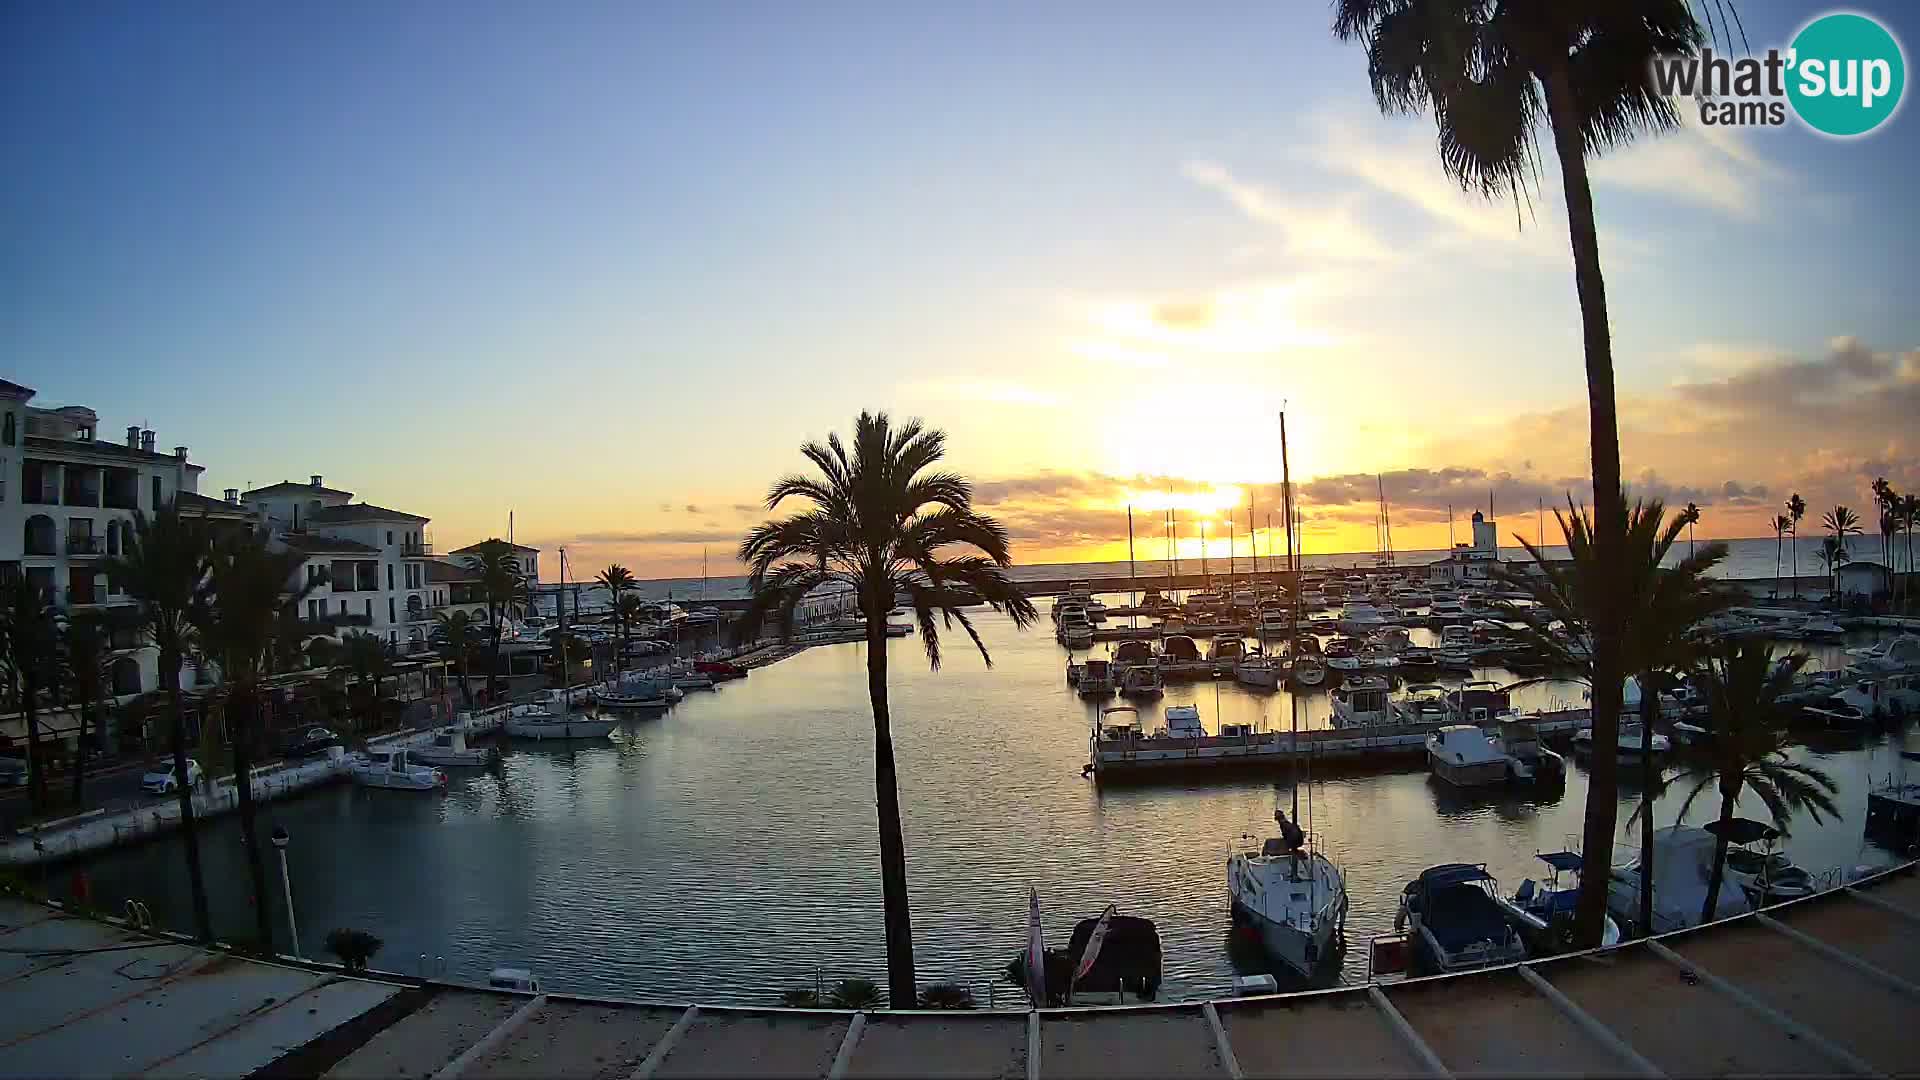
(1292, 894)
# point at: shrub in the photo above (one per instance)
(353, 947)
(946, 996)
(803, 998)
(855, 994)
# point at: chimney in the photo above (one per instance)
(133, 436)
(180, 452)
(316, 480)
(146, 440)
(233, 495)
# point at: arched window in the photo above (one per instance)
(125, 673)
(113, 538)
(40, 535)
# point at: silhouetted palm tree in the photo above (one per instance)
(1909, 520)
(253, 588)
(1743, 684)
(880, 522)
(1659, 605)
(630, 611)
(366, 657)
(1780, 526)
(31, 657)
(1491, 74)
(1689, 517)
(456, 627)
(1796, 509)
(499, 585)
(618, 581)
(163, 567)
(1840, 523)
(84, 642)
(1833, 554)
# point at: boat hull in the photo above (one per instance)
(580, 727)
(1474, 774)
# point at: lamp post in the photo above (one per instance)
(280, 839)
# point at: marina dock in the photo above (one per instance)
(1823, 985)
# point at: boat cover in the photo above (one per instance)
(1738, 831)
(1562, 861)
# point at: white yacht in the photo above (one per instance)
(1075, 631)
(1463, 755)
(449, 747)
(1899, 655)
(1298, 902)
(1362, 702)
(1274, 622)
(1260, 670)
(393, 769)
(1517, 735)
(1183, 722)
(1448, 612)
(1682, 867)
(1097, 679)
(1540, 910)
(1141, 680)
(1359, 619)
(1423, 703)
(554, 721)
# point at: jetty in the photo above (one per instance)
(1823, 985)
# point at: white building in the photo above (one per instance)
(375, 559)
(66, 501)
(1471, 562)
(527, 558)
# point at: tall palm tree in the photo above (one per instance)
(1659, 606)
(163, 566)
(31, 659)
(499, 585)
(253, 588)
(1840, 523)
(1910, 519)
(1491, 73)
(881, 523)
(618, 581)
(1796, 509)
(457, 628)
(630, 611)
(366, 657)
(85, 640)
(1689, 517)
(1781, 524)
(1743, 684)
(1833, 554)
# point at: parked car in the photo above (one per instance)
(165, 781)
(13, 772)
(314, 741)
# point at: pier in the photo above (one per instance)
(1823, 985)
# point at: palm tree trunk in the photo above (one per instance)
(1719, 857)
(196, 877)
(1602, 811)
(1777, 539)
(1796, 564)
(466, 680)
(36, 766)
(240, 724)
(1649, 708)
(80, 755)
(902, 987)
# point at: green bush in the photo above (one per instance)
(946, 996)
(353, 947)
(803, 998)
(855, 994)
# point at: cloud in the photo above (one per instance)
(992, 392)
(691, 508)
(1326, 228)
(709, 535)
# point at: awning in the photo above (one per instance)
(1562, 861)
(1741, 830)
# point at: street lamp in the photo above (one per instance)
(280, 839)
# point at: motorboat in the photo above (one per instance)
(720, 670)
(1075, 631)
(1261, 671)
(1274, 623)
(1130, 653)
(1362, 702)
(1126, 960)
(1418, 660)
(1629, 742)
(393, 768)
(1366, 657)
(1308, 670)
(1179, 649)
(1464, 756)
(686, 678)
(1295, 898)
(1543, 910)
(1096, 611)
(1183, 722)
(554, 721)
(1884, 697)
(1359, 619)
(1893, 806)
(1478, 701)
(1065, 604)
(1517, 735)
(1765, 875)
(1453, 923)
(1074, 671)
(1682, 866)
(1814, 628)
(1227, 650)
(632, 692)
(449, 747)
(1900, 654)
(1445, 613)
(1173, 624)
(312, 742)
(1423, 703)
(1097, 680)
(1141, 681)
(1338, 654)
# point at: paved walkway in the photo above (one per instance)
(1823, 986)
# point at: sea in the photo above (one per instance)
(726, 850)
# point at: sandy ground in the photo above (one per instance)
(1502, 1026)
(576, 1041)
(1881, 938)
(425, 1041)
(1152, 1043)
(1331, 1035)
(987, 1045)
(746, 1044)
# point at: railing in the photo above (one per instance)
(116, 501)
(418, 615)
(417, 550)
(41, 498)
(41, 547)
(86, 545)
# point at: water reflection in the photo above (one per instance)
(727, 849)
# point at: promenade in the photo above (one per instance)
(1822, 986)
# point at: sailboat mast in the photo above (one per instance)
(1253, 536)
(1205, 576)
(1286, 498)
(1293, 699)
(1133, 593)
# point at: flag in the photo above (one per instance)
(1036, 952)
(1094, 941)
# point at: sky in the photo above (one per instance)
(606, 267)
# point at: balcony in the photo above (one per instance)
(120, 500)
(417, 615)
(86, 545)
(417, 550)
(41, 497)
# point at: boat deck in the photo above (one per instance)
(1820, 986)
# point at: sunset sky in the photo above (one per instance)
(606, 266)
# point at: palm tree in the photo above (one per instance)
(1743, 684)
(1688, 517)
(1780, 526)
(1659, 606)
(1490, 73)
(630, 611)
(253, 587)
(162, 566)
(1833, 554)
(499, 584)
(85, 640)
(366, 657)
(1796, 509)
(618, 581)
(1840, 523)
(879, 523)
(1909, 519)
(31, 659)
(457, 628)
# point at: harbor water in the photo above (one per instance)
(727, 850)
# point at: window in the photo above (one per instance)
(156, 493)
(343, 605)
(389, 536)
(113, 538)
(369, 609)
(390, 615)
(389, 567)
(8, 432)
(314, 607)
